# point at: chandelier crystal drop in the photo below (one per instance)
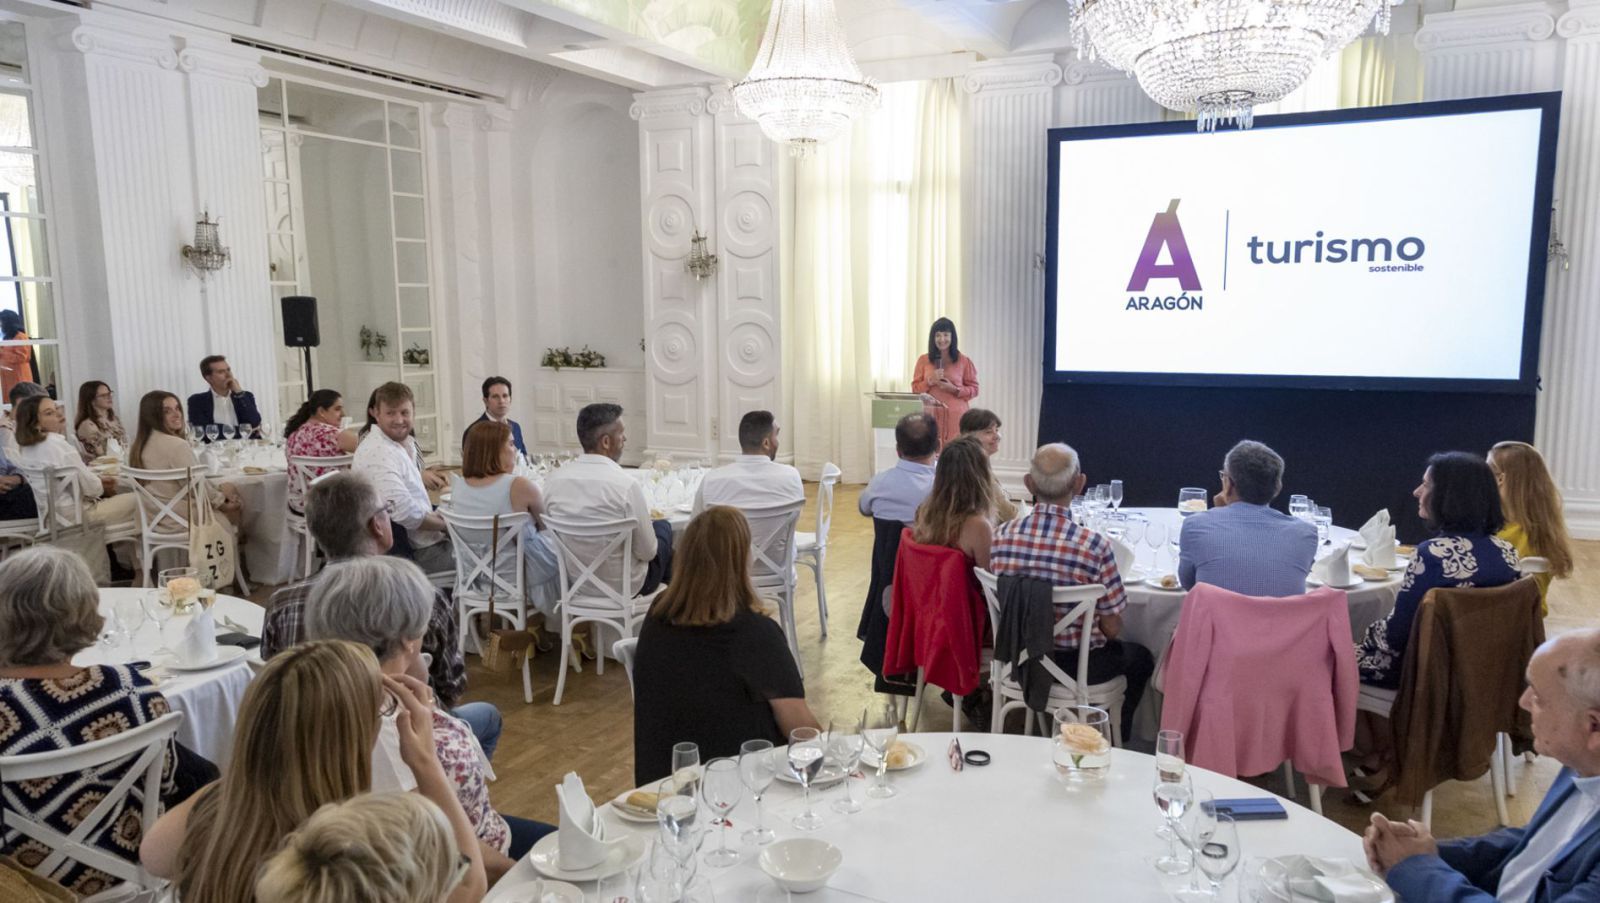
(1218, 59)
(804, 87)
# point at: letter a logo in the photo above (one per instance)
(1164, 230)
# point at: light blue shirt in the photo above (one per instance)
(896, 493)
(1520, 877)
(6, 467)
(1249, 549)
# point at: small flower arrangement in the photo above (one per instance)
(1081, 740)
(586, 359)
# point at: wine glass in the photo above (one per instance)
(720, 788)
(212, 431)
(1174, 798)
(846, 750)
(1155, 536)
(1218, 856)
(805, 760)
(1191, 500)
(686, 768)
(1169, 768)
(678, 820)
(757, 769)
(160, 606)
(1116, 495)
(661, 879)
(128, 611)
(1195, 828)
(880, 735)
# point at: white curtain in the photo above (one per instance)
(873, 255)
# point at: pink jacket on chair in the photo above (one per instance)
(1252, 682)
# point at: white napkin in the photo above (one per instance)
(1332, 881)
(1371, 531)
(1377, 534)
(1124, 554)
(582, 841)
(1333, 569)
(199, 643)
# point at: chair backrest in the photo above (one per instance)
(307, 469)
(159, 515)
(772, 542)
(583, 549)
(1082, 598)
(1533, 564)
(623, 649)
(145, 746)
(830, 478)
(472, 540)
(63, 496)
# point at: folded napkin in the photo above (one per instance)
(1372, 529)
(199, 643)
(1332, 881)
(582, 842)
(1124, 555)
(1377, 534)
(1333, 569)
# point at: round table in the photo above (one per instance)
(1007, 830)
(209, 700)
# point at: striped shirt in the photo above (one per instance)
(1048, 545)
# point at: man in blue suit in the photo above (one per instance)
(1556, 858)
(226, 402)
(497, 407)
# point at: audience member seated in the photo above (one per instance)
(389, 456)
(1556, 857)
(304, 738)
(594, 489)
(895, 493)
(314, 432)
(497, 409)
(347, 520)
(1532, 507)
(487, 487)
(8, 424)
(959, 511)
(383, 603)
(226, 403)
(16, 496)
(711, 668)
(42, 441)
(1243, 544)
(985, 427)
(159, 445)
(99, 429)
(1047, 544)
(49, 611)
(374, 848)
(756, 480)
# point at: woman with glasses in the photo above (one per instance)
(97, 425)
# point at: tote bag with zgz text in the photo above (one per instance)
(211, 550)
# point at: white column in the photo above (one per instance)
(461, 286)
(1010, 111)
(745, 236)
(676, 157)
(1569, 418)
(1483, 52)
(1092, 94)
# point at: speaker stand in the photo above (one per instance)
(310, 384)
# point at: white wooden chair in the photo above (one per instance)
(144, 747)
(305, 468)
(1380, 702)
(1064, 690)
(811, 549)
(772, 560)
(164, 523)
(581, 551)
(624, 649)
(478, 564)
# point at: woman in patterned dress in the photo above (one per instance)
(313, 432)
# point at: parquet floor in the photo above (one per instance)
(591, 732)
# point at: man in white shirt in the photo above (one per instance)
(226, 403)
(594, 489)
(756, 480)
(389, 457)
(1556, 858)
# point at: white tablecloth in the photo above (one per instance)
(1008, 830)
(269, 549)
(209, 700)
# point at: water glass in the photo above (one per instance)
(881, 735)
(1081, 744)
(1324, 521)
(1298, 505)
(757, 769)
(1116, 495)
(1169, 768)
(1191, 500)
(686, 768)
(720, 788)
(845, 749)
(805, 761)
(1173, 797)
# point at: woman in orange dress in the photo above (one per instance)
(15, 360)
(948, 375)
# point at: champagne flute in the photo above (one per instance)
(686, 768)
(846, 750)
(1174, 797)
(757, 769)
(1116, 495)
(805, 760)
(720, 788)
(881, 736)
(1169, 768)
(1218, 856)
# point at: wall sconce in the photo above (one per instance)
(207, 252)
(700, 263)
(1557, 249)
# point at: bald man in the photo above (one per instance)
(1556, 858)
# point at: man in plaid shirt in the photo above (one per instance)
(1046, 544)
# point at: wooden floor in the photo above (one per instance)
(591, 732)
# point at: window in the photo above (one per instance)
(29, 342)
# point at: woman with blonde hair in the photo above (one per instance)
(959, 511)
(1532, 507)
(374, 848)
(304, 738)
(711, 667)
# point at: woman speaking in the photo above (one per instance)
(948, 375)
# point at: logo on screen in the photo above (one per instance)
(1165, 232)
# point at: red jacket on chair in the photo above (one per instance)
(937, 616)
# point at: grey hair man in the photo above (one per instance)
(1243, 544)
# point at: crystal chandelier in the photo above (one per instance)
(207, 253)
(804, 87)
(1219, 58)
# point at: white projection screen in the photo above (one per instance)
(1394, 247)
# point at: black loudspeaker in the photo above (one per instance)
(300, 322)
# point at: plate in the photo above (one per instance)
(226, 655)
(620, 807)
(545, 854)
(1312, 581)
(869, 758)
(1155, 583)
(1270, 882)
(554, 892)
